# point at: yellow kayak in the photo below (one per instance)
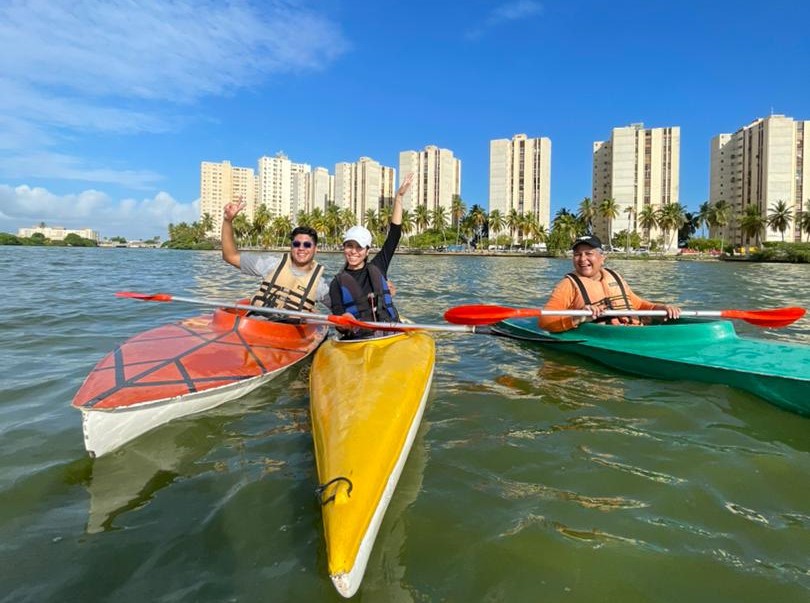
(367, 398)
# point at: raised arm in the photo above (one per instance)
(229, 251)
(396, 214)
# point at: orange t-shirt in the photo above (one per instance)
(567, 296)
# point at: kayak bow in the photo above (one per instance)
(183, 368)
(367, 398)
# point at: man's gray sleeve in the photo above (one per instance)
(258, 264)
(322, 293)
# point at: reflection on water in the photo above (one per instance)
(128, 479)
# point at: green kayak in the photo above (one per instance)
(707, 351)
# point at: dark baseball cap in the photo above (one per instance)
(590, 240)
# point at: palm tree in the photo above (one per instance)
(689, 228)
(609, 211)
(371, 221)
(513, 223)
(704, 211)
(648, 219)
(318, 222)
(280, 228)
(496, 223)
(303, 218)
(804, 220)
(478, 217)
(468, 227)
(780, 217)
(457, 212)
(533, 229)
(385, 214)
(629, 210)
(587, 212)
(439, 221)
(421, 218)
(671, 216)
(719, 217)
(438, 218)
(241, 228)
(407, 222)
(346, 219)
(261, 219)
(332, 220)
(206, 224)
(752, 223)
(567, 225)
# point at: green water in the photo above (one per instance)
(536, 476)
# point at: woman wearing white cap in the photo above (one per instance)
(361, 288)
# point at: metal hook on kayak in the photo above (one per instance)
(320, 489)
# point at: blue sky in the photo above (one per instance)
(108, 108)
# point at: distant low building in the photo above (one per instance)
(58, 233)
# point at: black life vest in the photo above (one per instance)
(377, 306)
(284, 289)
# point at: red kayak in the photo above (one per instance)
(185, 368)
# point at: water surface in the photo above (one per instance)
(535, 475)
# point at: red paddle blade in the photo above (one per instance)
(158, 297)
(779, 317)
(349, 322)
(486, 314)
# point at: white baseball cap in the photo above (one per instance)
(360, 234)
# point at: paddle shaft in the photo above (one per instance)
(329, 319)
(705, 313)
(483, 314)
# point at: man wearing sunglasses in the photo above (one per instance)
(292, 281)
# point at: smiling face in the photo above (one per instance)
(355, 254)
(588, 261)
(303, 250)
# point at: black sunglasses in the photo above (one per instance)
(306, 244)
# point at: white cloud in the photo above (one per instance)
(513, 10)
(65, 167)
(121, 67)
(162, 50)
(25, 206)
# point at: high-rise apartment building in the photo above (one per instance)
(221, 183)
(321, 189)
(437, 178)
(283, 185)
(285, 188)
(760, 164)
(520, 177)
(637, 167)
(300, 181)
(363, 185)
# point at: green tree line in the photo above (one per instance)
(424, 228)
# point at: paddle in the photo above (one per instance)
(341, 321)
(490, 314)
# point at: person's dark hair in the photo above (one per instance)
(304, 230)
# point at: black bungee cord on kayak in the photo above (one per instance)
(322, 488)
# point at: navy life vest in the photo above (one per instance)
(377, 306)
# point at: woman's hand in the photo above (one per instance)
(406, 184)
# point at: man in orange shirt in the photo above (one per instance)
(596, 288)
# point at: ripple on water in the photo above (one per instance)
(518, 490)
